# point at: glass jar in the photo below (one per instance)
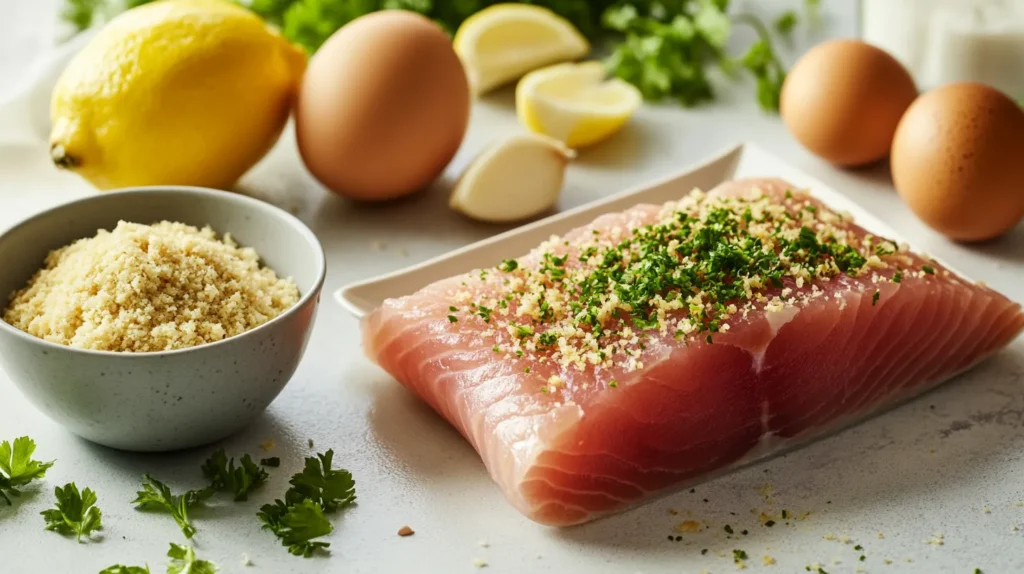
(942, 41)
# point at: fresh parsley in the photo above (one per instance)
(75, 513)
(184, 561)
(226, 477)
(17, 468)
(119, 569)
(156, 495)
(300, 517)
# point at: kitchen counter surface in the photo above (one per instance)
(935, 486)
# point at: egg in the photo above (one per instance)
(383, 106)
(843, 99)
(958, 161)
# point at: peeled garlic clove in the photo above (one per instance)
(514, 179)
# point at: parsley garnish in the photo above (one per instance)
(858, 548)
(299, 518)
(17, 468)
(874, 298)
(613, 384)
(523, 331)
(770, 523)
(453, 319)
(184, 561)
(928, 269)
(897, 277)
(728, 529)
(120, 569)
(75, 512)
(240, 480)
(156, 495)
(508, 265)
(739, 555)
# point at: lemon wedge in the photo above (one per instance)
(514, 179)
(501, 43)
(575, 103)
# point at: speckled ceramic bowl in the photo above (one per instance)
(174, 399)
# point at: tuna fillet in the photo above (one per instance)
(660, 345)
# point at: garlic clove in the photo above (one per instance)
(514, 179)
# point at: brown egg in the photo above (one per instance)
(958, 161)
(843, 99)
(383, 106)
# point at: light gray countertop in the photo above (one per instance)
(948, 466)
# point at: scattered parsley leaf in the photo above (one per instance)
(299, 518)
(297, 525)
(897, 277)
(17, 468)
(874, 298)
(738, 555)
(75, 512)
(928, 269)
(453, 319)
(509, 265)
(156, 495)
(240, 480)
(184, 561)
(728, 528)
(272, 462)
(119, 569)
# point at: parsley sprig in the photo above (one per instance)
(121, 569)
(17, 468)
(156, 495)
(184, 561)
(300, 518)
(75, 513)
(226, 477)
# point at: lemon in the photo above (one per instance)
(575, 103)
(501, 43)
(187, 92)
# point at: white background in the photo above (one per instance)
(930, 467)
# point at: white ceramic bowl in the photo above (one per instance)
(174, 399)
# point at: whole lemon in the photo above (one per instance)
(185, 92)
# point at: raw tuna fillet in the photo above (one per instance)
(663, 344)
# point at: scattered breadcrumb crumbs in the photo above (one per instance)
(881, 536)
(266, 445)
(768, 560)
(406, 531)
(886, 561)
(936, 540)
(145, 288)
(986, 510)
(689, 526)
(483, 544)
(479, 563)
(245, 560)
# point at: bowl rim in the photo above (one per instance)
(218, 194)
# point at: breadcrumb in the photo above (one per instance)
(145, 288)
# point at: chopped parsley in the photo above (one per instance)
(874, 298)
(613, 384)
(453, 319)
(728, 529)
(739, 555)
(897, 277)
(770, 523)
(928, 269)
(508, 265)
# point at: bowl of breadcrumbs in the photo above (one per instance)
(157, 318)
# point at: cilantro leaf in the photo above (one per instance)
(240, 480)
(75, 512)
(119, 569)
(17, 468)
(297, 525)
(184, 561)
(156, 495)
